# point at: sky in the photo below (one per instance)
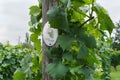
(113, 8)
(14, 17)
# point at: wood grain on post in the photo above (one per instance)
(46, 4)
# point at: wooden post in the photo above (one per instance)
(46, 4)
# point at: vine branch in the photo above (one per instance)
(86, 21)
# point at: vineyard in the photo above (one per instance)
(26, 64)
(83, 51)
(19, 64)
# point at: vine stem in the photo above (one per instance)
(86, 21)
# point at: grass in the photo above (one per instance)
(115, 75)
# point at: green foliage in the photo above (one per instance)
(115, 59)
(116, 38)
(10, 58)
(103, 18)
(83, 52)
(19, 76)
(35, 11)
(30, 67)
(104, 52)
(80, 32)
(57, 70)
(88, 40)
(36, 25)
(65, 41)
(18, 63)
(59, 19)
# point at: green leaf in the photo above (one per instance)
(33, 37)
(36, 28)
(35, 10)
(33, 20)
(68, 56)
(66, 3)
(78, 16)
(89, 1)
(57, 18)
(35, 61)
(49, 54)
(54, 53)
(87, 72)
(26, 60)
(88, 40)
(1, 58)
(83, 52)
(77, 3)
(19, 76)
(65, 41)
(84, 9)
(103, 18)
(76, 69)
(92, 59)
(37, 44)
(57, 70)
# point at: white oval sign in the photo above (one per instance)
(49, 35)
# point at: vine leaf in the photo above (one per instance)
(89, 1)
(88, 40)
(33, 20)
(65, 41)
(54, 53)
(76, 69)
(66, 3)
(87, 72)
(35, 10)
(103, 18)
(19, 76)
(33, 37)
(83, 52)
(57, 70)
(57, 18)
(78, 3)
(35, 66)
(68, 56)
(37, 43)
